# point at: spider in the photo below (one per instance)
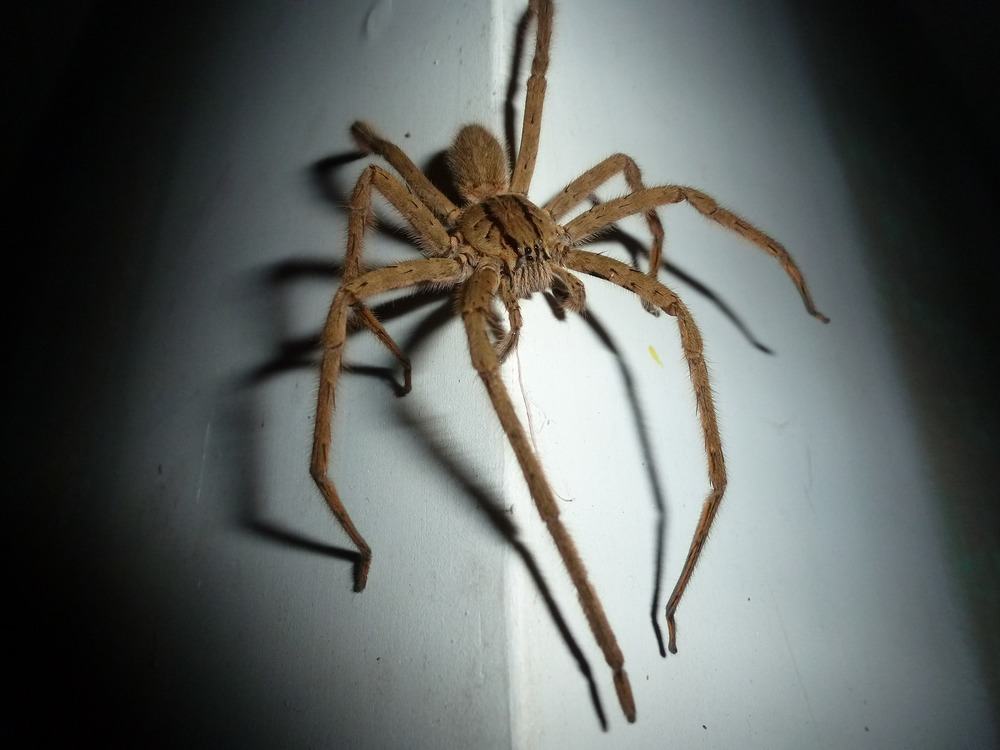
(499, 246)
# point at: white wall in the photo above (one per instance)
(418, 659)
(822, 614)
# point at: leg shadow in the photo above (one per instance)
(302, 352)
(509, 107)
(637, 250)
(649, 457)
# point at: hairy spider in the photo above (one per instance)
(500, 246)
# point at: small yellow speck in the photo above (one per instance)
(655, 356)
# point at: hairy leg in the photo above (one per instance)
(593, 221)
(656, 293)
(369, 140)
(504, 339)
(531, 125)
(478, 296)
(433, 271)
(583, 187)
(569, 290)
(505, 345)
(432, 234)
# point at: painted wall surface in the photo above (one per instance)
(212, 562)
(824, 612)
(192, 588)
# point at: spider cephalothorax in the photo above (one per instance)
(499, 246)
(524, 239)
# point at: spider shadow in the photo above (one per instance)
(321, 178)
(302, 352)
(510, 111)
(636, 250)
(251, 515)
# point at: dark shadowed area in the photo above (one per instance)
(910, 96)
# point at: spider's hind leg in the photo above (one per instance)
(477, 298)
(531, 124)
(658, 294)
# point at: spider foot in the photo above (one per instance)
(364, 136)
(624, 690)
(650, 308)
(361, 572)
(671, 631)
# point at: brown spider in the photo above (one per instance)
(501, 246)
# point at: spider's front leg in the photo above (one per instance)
(431, 232)
(584, 186)
(476, 300)
(531, 124)
(402, 275)
(602, 215)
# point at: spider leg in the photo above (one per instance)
(531, 124)
(428, 270)
(494, 323)
(434, 237)
(656, 293)
(508, 342)
(583, 187)
(476, 301)
(504, 340)
(593, 221)
(570, 292)
(369, 140)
